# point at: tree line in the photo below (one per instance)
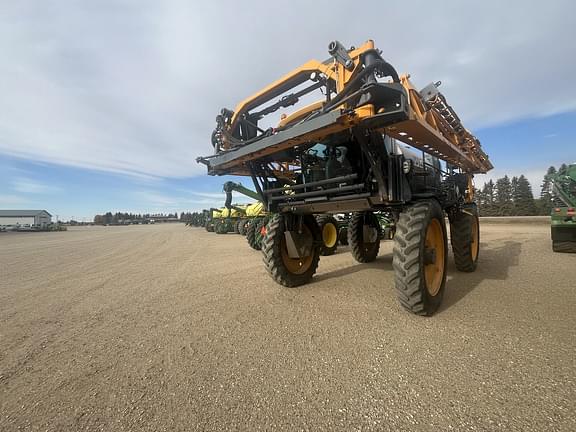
(120, 218)
(513, 196)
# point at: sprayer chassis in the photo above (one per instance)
(344, 154)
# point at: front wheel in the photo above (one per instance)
(287, 270)
(420, 256)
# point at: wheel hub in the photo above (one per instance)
(304, 257)
(329, 235)
(429, 256)
(434, 257)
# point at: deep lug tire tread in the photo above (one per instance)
(251, 235)
(355, 237)
(220, 228)
(242, 226)
(272, 255)
(461, 238)
(408, 258)
(237, 226)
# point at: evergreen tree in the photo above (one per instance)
(546, 199)
(524, 200)
(485, 199)
(503, 201)
(515, 197)
(489, 192)
(479, 198)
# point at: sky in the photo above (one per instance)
(106, 105)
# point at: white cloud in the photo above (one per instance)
(29, 186)
(184, 201)
(8, 200)
(156, 199)
(133, 87)
(213, 195)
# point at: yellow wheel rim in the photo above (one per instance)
(329, 235)
(434, 272)
(295, 265)
(475, 238)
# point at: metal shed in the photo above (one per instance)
(25, 218)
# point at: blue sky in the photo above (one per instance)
(81, 193)
(105, 105)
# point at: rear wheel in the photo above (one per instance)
(465, 237)
(364, 236)
(329, 229)
(243, 224)
(251, 235)
(283, 268)
(237, 226)
(420, 256)
(221, 227)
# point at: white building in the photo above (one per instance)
(25, 218)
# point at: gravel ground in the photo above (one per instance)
(172, 328)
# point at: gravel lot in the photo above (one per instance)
(173, 328)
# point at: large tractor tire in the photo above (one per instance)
(221, 227)
(251, 235)
(210, 227)
(465, 237)
(564, 246)
(242, 226)
(329, 229)
(364, 236)
(255, 232)
(420, 257)
(260, 231)
(287, 271)
(237, 226)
